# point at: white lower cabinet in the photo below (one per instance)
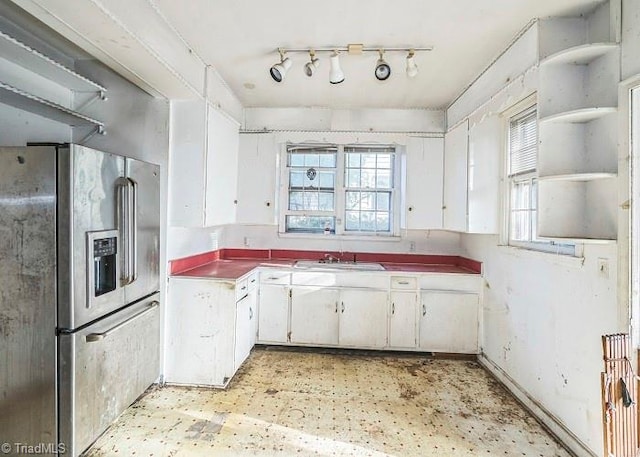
(201, 332)
(402, 320)
(449, 322)
(245, 336)
(314, 315)
(273, 316)
(363, 318)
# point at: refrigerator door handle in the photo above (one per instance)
(123, 203)
(133, 245)
(99, 336)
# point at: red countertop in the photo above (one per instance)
(235, 263)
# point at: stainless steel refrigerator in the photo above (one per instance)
(79, 301)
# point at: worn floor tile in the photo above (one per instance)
(289, 403)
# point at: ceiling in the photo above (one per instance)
(153, 42)
(239, 39)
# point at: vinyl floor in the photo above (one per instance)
(310, 403)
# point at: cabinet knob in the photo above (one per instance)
(393, 308)
(342, 306)
(250, 313)
(424, 309)
(411, 208)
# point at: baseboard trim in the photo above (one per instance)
(547, 419)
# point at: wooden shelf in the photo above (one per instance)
(580, 55)
(580, 116)
(578, 177)
(22, 100)
(26, 57)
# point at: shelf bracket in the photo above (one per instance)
(97, 130)
(100, 95)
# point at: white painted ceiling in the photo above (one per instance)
(152, 43)
(239, 39)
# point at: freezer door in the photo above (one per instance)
(143, 260)
(87, 190)
(27, 295)
(104, 368)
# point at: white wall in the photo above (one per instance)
(630, 38)
(543, 314)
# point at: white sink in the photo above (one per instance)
(357, 266)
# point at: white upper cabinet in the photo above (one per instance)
(424, 178)
(483, 179)
(578, 127)
(257, 178)
(203, 165)
(456, 145)
(221, 191)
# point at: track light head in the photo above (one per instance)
(279, 70)
(412, 67)
(336, 75)
(383, 70)
(314, 62)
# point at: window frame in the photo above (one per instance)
(340, 192)
(534, 243)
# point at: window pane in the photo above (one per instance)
(382, 222)
(296, 179)
(311, 201)
(326, 179)
(384, 161)
(520, 225)
(368, 221)
(353, 178)
(534, 225)
(368, 178)
(352, 220)
(520, 195)
(352, 200)
(310, 224)
(368, 200)
(308, 182)
(296, 159)
(295, 201)
(383, 179)
(353, 160)
(328, 160)
(383, 201)
(325, 201)
(312, 160)
(368, 161)
(534, 194)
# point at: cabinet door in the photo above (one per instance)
(314, 315)
(200, 328)
(253, 317)
(273, 314)
(425, 168)
(221, 169)
(402, 320)
(243, 332)
(257, 178)
(485, 144)
(363, 318)
(455, 178)
(449, 322)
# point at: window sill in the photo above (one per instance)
(559, 259)
(321, 236)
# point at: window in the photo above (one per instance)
(523, 185)
(340, 190)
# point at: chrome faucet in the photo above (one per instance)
(328, 258)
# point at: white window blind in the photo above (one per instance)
(523, 143)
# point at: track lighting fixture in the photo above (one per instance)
(383, 70)
(313, 63)
(412, 68)
(279, 70)
(336, 75)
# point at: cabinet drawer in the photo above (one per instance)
(242, 288)
(403, 282)
(269, 276)
(252, 281)
(453, 282)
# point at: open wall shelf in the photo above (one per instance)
(22, 100)
(580, 55)
(580, 115)
(21, 54)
